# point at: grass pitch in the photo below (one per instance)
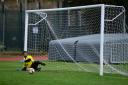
(9, 76)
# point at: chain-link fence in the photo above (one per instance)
(11, 26)
(12, 21)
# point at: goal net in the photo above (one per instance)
(89, 38)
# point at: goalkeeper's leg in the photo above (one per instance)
(24, 69)
(36, 64)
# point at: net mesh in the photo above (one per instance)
(115, 50)
(71, 38)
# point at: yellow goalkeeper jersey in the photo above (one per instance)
(29, 63)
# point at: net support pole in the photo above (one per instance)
(26, 31)
(124, 21)
(102, 38)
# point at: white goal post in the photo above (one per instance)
(92, 34)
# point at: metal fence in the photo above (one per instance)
(12, 14)
(12, 22)
(11, 28)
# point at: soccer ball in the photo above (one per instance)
(31, 70)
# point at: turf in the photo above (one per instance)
(9, 76)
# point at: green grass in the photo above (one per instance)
(9, 76)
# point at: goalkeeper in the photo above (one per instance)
(30, 63)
